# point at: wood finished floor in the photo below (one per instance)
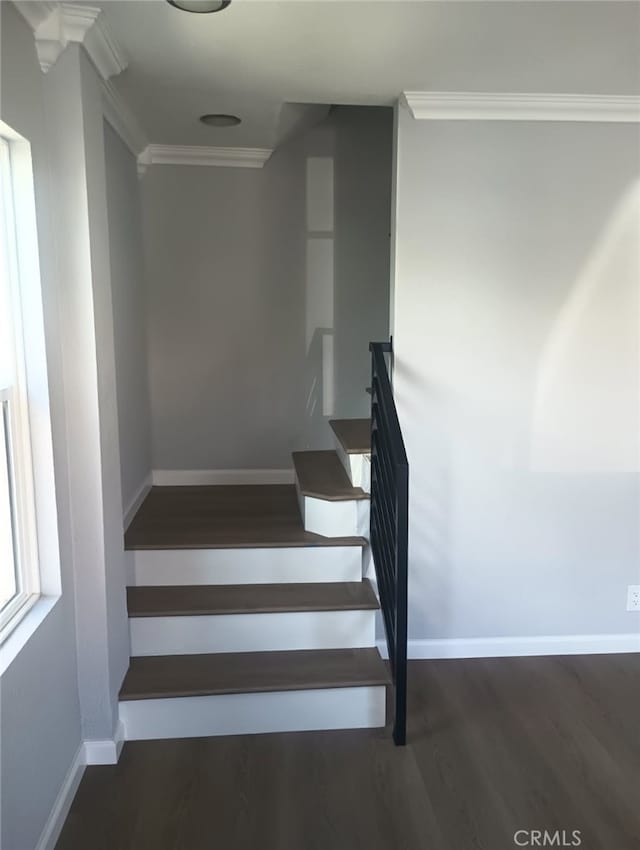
(225, 516)
(354, 434)
(321, 474)
(495, 745)
(185, 601)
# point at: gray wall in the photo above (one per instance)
(248, 273)
(61, 687)
(516, 335)
(129, 320)
(363, 157)
(39, 707)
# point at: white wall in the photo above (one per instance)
(62, 685)
(255, 279)
(75, 135)
(39, 707)
(363, 157)
(129, 320)
(517, 374)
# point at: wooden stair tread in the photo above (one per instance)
(354, 435)
(183, 600)
(321, 475)
(242, 516)
(164, 676)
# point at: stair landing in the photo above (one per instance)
(225, 517)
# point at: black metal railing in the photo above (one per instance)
(389, 525)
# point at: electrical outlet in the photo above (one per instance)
(633, 597)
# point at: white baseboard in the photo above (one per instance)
(185, 477)
(60, 810)
(137, 500)
(106, 751)
(497, 647)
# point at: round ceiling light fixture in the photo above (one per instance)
(200, 7)
(220, 120)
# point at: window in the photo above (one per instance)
(19, 574)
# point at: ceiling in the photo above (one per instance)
(258, 54)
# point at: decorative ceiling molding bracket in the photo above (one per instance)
(491, 106)
(207, 156)
(55, 25)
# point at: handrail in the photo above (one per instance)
(390, 525)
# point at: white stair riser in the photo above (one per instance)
(357, 466)
(247, 566)
(336, 519)
(252, 632)
(238, 714)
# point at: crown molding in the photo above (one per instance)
(496, 106)
(55, 25)
(103, 49)
(207, 156)
(122, 119)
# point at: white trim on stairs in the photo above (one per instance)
(249, 632)
(503, 647)
(137, 500)
(182, 477)
(516, 106)
(247, 566)
(60, 810)
(356, 707)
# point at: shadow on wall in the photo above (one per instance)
(431, 499)
(347, 204)
(586, 403)
(319, 297)
(318, 381)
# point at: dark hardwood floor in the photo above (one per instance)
(321, 474)
(494, 746)
(178, 601)
(224, 516)
(354, 434)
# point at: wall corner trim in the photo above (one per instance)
(55, 25)
(519, 645)
(205, 156)
(514, 106)
(138, 499)
(60, 810)
(105, 751)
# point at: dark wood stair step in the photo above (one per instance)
(354, 435)
(321, 475)
(164, 676)
(176, 601)
(241, 516)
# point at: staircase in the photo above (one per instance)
(249, 612)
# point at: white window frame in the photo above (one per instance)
(14, 408)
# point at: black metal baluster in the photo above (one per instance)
(390, 525)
